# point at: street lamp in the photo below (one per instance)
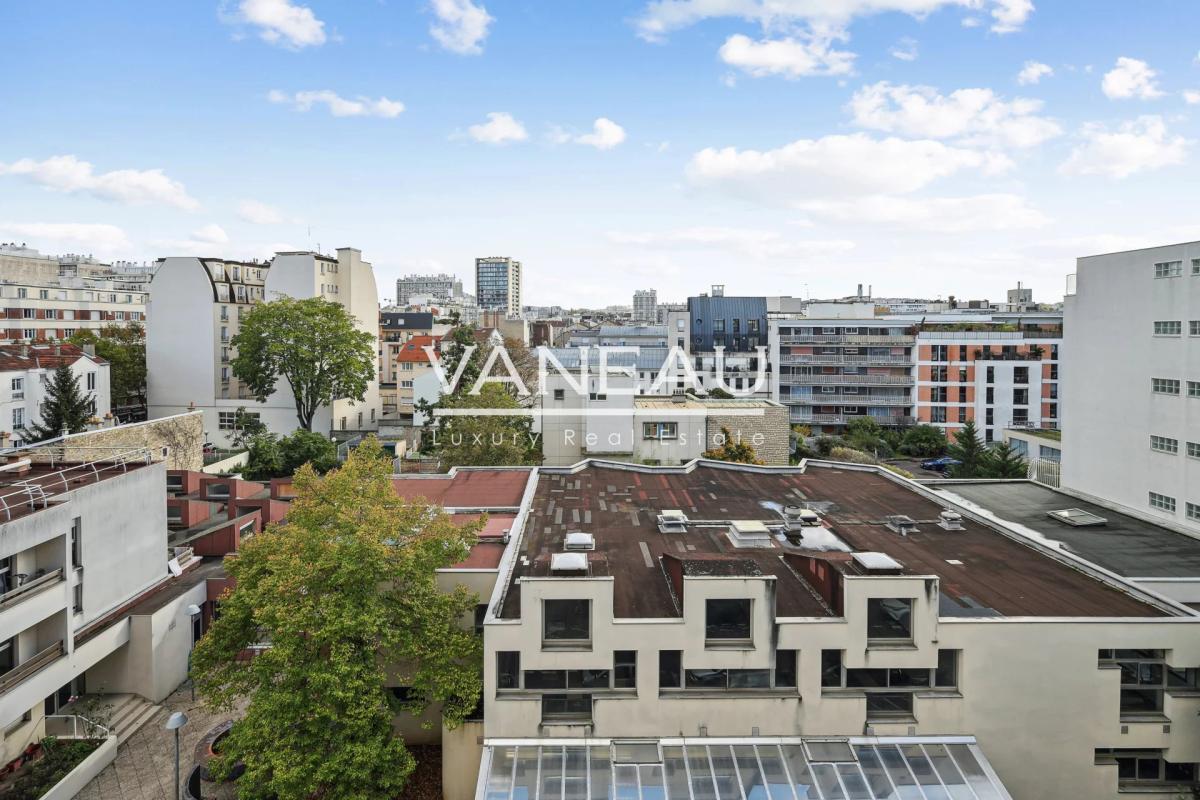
(193, 612)
(174, 723)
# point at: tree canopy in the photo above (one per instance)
(340, 593)
(66, 407)
(1003, 461)
(968, 449)
(278, 457)
(733, 449)
(923, 441)
(124, 348)
(312, 344)
(481, 440)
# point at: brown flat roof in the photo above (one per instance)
(467, 488)
(53, 481)
(997, 576)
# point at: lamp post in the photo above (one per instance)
(174, 723)
(193, 611)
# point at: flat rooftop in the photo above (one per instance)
(45, 483)
(1124, 544)
(983, 572)
(467, 487)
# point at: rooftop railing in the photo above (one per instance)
(36, 491)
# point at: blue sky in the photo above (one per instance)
(925, 147)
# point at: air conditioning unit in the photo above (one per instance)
(950, 521)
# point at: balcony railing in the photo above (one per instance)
(73, 726)
(847, 380)
(821, 399)
(842, 419)
(29, 588)
(851, 339)
(31, 666)
(844, 358)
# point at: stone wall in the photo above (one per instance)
(179, 440)
(773, 426)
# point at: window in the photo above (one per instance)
(8, 655)
(785, 668)
(1193, 449)
(560, 394)
(1144, 677)
(1194, 327)
(1168, 269)
(77, 597)
(946, 674)
(660, 430)
(937, 414)
(1020, 375)
(1193, 511)
(567, 621)
(726, 620)
(91, 381)
(670, 670)
(1020, 397)
(991, 375)
(728, 679)
(1146, 767)
(625, 669)
(18, 419)
(597, 396)
(1163, 444)
(566, 679)
(28, 313)
(566, 706)
(889, 618)
(1162, 502)
(1193, 388)
(1164, 385)
(508, 669)
(1168, 328)
(831, 668)
(77, 543)
(1196, 266)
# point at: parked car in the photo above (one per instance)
(940, 464)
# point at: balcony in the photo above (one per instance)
(30, 588)
(845, 358)
(843, 419)
(847, 380)
(825, 399)
(860, 339)
(31, 666)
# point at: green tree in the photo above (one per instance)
(65, 408)
(484, 440)
(923, 441)
(124, 348)
(246, 426)
(274, 457)
(312, 344)
(1002, 461)
(733, 449)
(458, 345)
(343, 591)
(864, 433)
(969, 450)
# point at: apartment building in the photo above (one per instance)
(645, 305)
(198, 304)
(91, 597)
(830, 370)
(999, 371)
(395, 329)
(498, 284)
(25, 371)
(719, 630)
(441, 287)
(1131, 423)
(410, 366)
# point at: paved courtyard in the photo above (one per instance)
(145, 765)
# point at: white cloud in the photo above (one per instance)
(605, 135)
(1010, 15)
(905, 49)
(790, 57)
(500, 128)
(985, 212)
(1131, 78)
(461, 27)
(1137, 145)
(257, 213)
(103, 240)
(759, 244)
(339, 106)
(209, 240)
(1033, 72)
(281, 22)
(1191, 96)
(836, 166)
(211, 234)
(975, 116)
(130, 186)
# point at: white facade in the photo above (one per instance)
(24, 374)
(440, 288)
(1131, 426)
(645, 305)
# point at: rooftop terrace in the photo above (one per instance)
(983, 571)
(36, 477)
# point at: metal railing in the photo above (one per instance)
(74, 726)
(847, 380)
(36, 491)
(825, 399)
(844, 358)
(842, 419)
(29, 588)
(31, 666)
(852, 339)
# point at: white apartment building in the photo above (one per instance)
(436, 288)
(197, 305)
(498, 284)
(81, 546)
(830, 631)
(645, 305)
(1131, 425)
(25, 371)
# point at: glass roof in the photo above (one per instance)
(862, 768)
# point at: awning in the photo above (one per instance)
(757, 768)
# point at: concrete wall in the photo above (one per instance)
(182, 437)
(461, 752)
(74, 781)
(773, 429)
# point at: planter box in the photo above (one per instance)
(84, 772)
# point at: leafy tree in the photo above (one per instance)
(246, 426)
(968, 449)
(343, 590)
(124, 348)
(717, 393)
(825, 444)
(273, 457)
(454, 349)
(312, 344)
(923, 441)
(852, 456)
(65, 408)
(732, 449)
(864, 433)
(485, 440)
(1002, 461)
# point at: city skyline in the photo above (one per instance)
(957, 151)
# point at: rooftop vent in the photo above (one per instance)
(877, 562)
(1077, 517)
(902, 524)
(950, 521)
(568, 564)
(672, 521)
(749, 533)
(578, 540)
(798, 517)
